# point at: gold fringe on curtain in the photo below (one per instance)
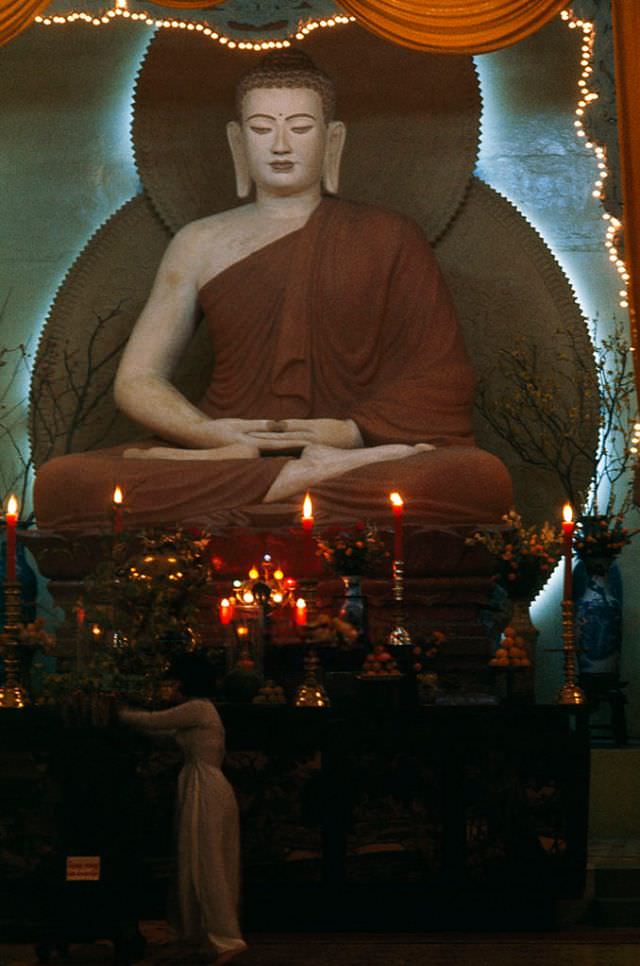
(626, 27)
(453, 26)
(188, 4)
(15, 15)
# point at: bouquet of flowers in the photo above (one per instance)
(602, 536)
(144, 600)
(352, 552)
(525, 556)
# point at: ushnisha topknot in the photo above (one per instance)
(288, 68)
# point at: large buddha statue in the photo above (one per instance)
(339, 366)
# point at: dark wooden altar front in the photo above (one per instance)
(366, 818)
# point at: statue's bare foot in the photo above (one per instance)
(319, 463)
(235, 451)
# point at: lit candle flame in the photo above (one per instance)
(118, 496)
(301, 612)
(567, 513)
(307, 508)
(278, 575)
(253, 573)
(12, 506)
(396, 499)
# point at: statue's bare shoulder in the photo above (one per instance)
(211, 245)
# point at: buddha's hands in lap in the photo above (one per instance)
(338, 433)
(222, 439)
(246, 438)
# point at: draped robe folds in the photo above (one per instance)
(348, 317)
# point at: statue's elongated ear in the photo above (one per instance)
(239, 155)
(336, 135)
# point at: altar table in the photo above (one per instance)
(414, 818)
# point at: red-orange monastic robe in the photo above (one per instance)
(349, 317)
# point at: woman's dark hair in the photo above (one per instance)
(195, 673)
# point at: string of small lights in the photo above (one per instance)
(121, 11)
(587, 97)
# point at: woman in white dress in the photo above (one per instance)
(207, 826)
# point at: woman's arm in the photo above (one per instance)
(186, 715)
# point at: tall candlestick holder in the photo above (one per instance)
(311, 693)
(398, 636)
(12, 693)
(570, 692)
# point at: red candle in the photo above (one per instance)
(567, 527)
(118, 500)
(397, 504)
(225, 611)
(301, 612)
(307, 527)
(11, 518)
(80, 615)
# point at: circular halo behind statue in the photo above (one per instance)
(412, 125)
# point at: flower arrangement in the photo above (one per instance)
(601, 536)
(587, 434)
(352, 552)
(17, 467)
(525, 556)
(143, 601)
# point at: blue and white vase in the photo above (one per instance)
(597, 594)
(354, 605)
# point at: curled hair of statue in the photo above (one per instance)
(288, 68)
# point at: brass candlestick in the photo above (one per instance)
(570, 692)
(311, 693)
(399, 636)
(12, 693)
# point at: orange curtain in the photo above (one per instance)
(454, 26)
(15, 15)
(626, 24)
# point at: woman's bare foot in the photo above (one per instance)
(229, 956)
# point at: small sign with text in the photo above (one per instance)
(83, 868)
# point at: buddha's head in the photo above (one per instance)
(285, 139)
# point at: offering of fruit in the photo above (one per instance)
(380, 664)
(512, 651)
(270, 693)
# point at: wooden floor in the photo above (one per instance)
(563, 948)
(577, 941)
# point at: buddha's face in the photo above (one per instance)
(285, 138)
